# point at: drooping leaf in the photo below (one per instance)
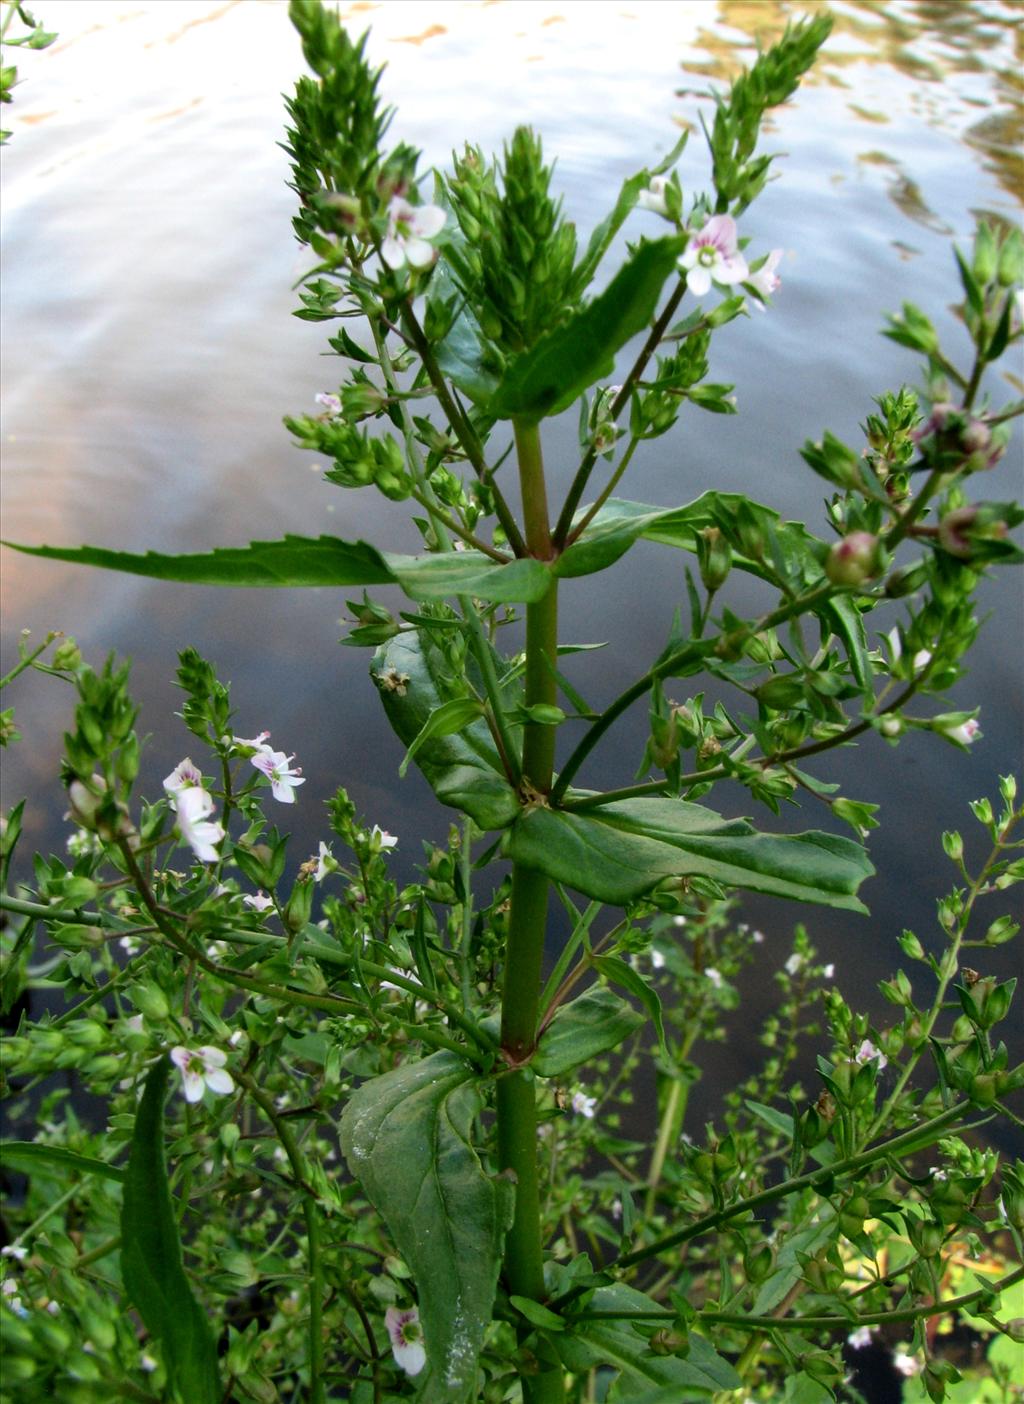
(617, 972)
(151, 1266)
(594, 1023)
(451, 573)
(550, 376)
(463, 768)
(619, 852)
(641, 1372)
(406, 1138)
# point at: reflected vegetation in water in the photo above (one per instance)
(150, 353)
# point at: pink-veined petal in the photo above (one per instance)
(730, 270)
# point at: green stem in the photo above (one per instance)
(28, 659)
(313, 1246)
(916, 1138)
(516, 1095)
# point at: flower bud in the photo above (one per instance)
(853, 560)
(714, 555)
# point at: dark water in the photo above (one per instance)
(150, 356)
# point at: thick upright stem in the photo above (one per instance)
(516, 1101)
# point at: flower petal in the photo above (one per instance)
(392, 251)
(419, 253)
(428, 220)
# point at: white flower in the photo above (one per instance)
(938, 1174)
(194, 807)
(409, 229)
(712, 255)
(758, 938)
(276, 766)
(325, 863)
(906, 1364)
(653, 198)
(764, 280)
(657, 959)
(860, 1339)
(130, 945)
(184, 776)
(965, 733)
(583, 1105)
(406, 1338)
(331, 404)
(14, 1250)
(81, 843)
(867, 1051)
(200, 1068)
(259, 903)
(381, 839)
(715, 976)
(678, 921)
(828, 972)
(794, 963)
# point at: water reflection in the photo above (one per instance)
(151, 355)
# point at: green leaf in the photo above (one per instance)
(538, 1315)
(594, 1023)
(324, 561)
(463, 356)
(450, 716)
(297, 560)
(154, 1278)
(788, 1268)
(616, 1343)
(406, 1137)
(29, 1155)
(617, 972)
(618, 852)
(451, 573)
(600, 240)
(463, 769)
(550, 376)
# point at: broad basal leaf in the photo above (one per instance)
(151, 1268)
(594, 1023)
(551, 375)
(406, 1137)
(619, 852)
(463, 768)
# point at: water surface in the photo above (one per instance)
(150, 355)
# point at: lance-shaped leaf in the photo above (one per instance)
(619, 852)
(406, 1137)
(324, 561)
(594, 1023)
(616, 1344)
(552, 374)
(463, 768)
(29, 1155)
(151, 1268)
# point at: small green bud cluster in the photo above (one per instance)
(358, 459)
(739, 176)
(517, 265)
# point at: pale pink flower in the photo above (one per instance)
(410, 227)
(794, 963)
(583, 1105)
(201, 1068)
(867, 1052)
(764, 280)
(906, 1364)
(712, 255)
(380, 838)
(403, 1326)
(194, 807)
(331, 404)
(861, 1338)
(260, 903)
(184, 776)
(277, 767)
(966, 732)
